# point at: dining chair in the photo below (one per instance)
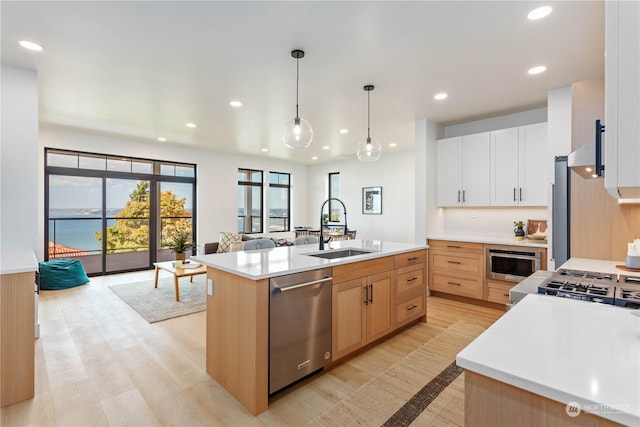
(256, 244)
(305, 240)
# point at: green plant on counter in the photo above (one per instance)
(518, 224)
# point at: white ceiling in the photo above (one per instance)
(145, 69)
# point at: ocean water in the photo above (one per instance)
(76, 233)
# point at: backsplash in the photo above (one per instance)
(481, 222)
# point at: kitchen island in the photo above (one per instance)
(238, 304)
(555, 361)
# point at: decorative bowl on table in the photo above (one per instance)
(633, 261)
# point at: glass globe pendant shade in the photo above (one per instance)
(369, 150)
(297, 133)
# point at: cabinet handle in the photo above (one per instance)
(412, 279)
(371, 295)
(412, 307)
(413, 258)
(366, 295)
(463, 197)
(514, 194)
(505, 295)
(520, 193)
(453, 246)
(458, 196)
(454, 262)
(453, 283)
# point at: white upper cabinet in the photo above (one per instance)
(504, 167)
(519, 166)
(533, 179)
(622, 99)
(463, 170)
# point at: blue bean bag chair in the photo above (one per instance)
(61, 274)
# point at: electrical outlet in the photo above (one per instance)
(210, 286)
(474, 213)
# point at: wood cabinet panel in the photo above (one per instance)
(410, 258)
(457, 263)
(410, 281)
(348, 317)
(468, 287)
(410, 310)
(17, 340)
(454, 246)
(498, 292)
(356, 270)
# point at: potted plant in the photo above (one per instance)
(180, 241)
(325, 219)
(518, 230)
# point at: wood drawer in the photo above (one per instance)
(498, 292)
(410, 281)
(356, 270)
(459, 263)
(411, 258)
(453, 246)
(456, 285)
(410, 310)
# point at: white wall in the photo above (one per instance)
(539, 115)
(394, 172)
(19, 204)
(217, 175)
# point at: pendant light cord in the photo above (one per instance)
(368, 117)
(297, 83)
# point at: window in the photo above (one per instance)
(115, 213)
(279, 201)
(334, 192)
(249, 201)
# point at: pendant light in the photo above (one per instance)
(369, 150)
(297, 133)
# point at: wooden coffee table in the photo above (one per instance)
(178, 273)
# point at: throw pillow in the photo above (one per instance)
(226, 239)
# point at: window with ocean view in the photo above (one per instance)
(115, 213)
(249, 201)
(279, 201)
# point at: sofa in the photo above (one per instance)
(212, 248)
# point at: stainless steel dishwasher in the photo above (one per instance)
(299, 326)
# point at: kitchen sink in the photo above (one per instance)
(341, 253)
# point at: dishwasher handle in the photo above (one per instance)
(278, 289)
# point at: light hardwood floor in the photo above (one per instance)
(99, 363)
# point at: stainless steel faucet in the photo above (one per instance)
(322, 242)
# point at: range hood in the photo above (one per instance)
(586, 161)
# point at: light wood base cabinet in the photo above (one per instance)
(17, 340)
(456, 268)
(488, 402)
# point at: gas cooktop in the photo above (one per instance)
(595, 287)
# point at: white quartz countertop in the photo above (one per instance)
(14, 262)
(597, 265)
(266, 263)
(489, 240)
(565, 350)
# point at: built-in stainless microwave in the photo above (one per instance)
(512, 265)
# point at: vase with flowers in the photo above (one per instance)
(180, 242)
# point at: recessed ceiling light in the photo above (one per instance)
(264, 150)
(537, 70)
(539, 12)
(191, 125)
(326, 147)
(31, 45)
(440, 96)
(161, 139)
(393, 144)
(344, 130)
(314, 158)
(235, 104)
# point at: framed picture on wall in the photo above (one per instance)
(372, 200)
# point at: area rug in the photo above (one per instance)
(156, 304)
(425, 388)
